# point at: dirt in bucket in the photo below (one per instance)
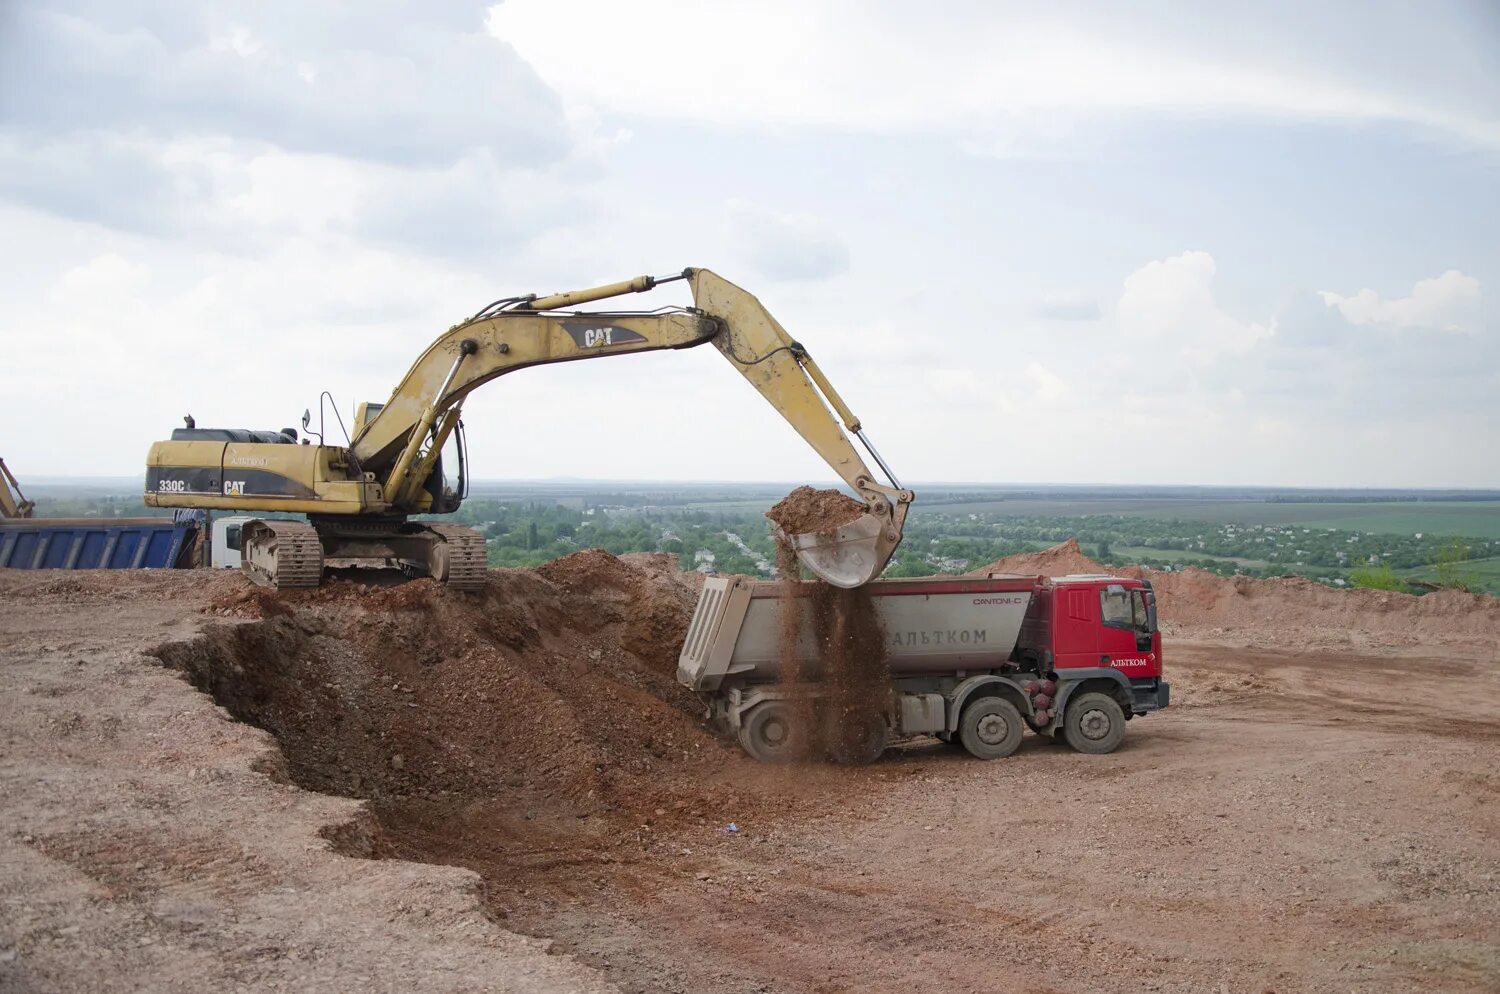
(806, 511)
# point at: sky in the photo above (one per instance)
(1156, 243)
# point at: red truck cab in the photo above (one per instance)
(1095, 632)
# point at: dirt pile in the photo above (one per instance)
(553, 688)
(534, 732)
(1199, 599)
(1060, 560)
(806, 511)
(646, 593)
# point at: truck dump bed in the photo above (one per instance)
(932, 625)
(92, 543)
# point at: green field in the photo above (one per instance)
(1134, 553)
(1477, 519)
(1483, 574)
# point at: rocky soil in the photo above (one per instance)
(209, 786)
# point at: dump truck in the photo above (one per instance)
(972, 660)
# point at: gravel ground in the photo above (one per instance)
(1302, 819)
(147, 845)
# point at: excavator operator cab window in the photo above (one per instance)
(232, 537)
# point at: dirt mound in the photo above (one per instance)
(552, 691)
(806, 511)
(554, 684)
(1060, 560)
(1197, 598)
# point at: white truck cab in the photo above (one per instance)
(224, 547)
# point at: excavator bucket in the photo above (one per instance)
(849, 556)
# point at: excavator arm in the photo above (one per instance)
(13, 503)
(400, 444)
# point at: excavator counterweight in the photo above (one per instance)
(359, 498)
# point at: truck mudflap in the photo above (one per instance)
(1149, 694)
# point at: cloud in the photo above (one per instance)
(1080, 307)
(463, 209)
(1046, 386)
(307, 193)
(1329, 369)
(415, 130)
(1450, 302)
(783, 246)
(1171, 301)
(321, 78)
(991, 77)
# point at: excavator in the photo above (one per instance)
(13, 503)
(360, 499)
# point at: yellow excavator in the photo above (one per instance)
(360, 498)
(13, 503)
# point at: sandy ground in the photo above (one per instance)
(148, 842)
(1310, 815)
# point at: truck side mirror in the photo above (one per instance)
(306, 418)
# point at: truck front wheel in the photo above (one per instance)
(772, 733)
(991, 728)
(1094, 723)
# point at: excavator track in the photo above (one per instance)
(282, 554)
(464, 551)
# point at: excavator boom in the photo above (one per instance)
(738, 325)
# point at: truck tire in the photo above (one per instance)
(991, 728)
(1094, 723)
(771, 732)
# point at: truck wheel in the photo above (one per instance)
(1094, 723)
(991, 728)
(772, 733)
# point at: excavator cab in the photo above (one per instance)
(448, 494)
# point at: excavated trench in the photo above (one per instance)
(534, 733)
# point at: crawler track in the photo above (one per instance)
(465, 552)
(282, 554)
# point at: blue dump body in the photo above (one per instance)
(87, 543)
